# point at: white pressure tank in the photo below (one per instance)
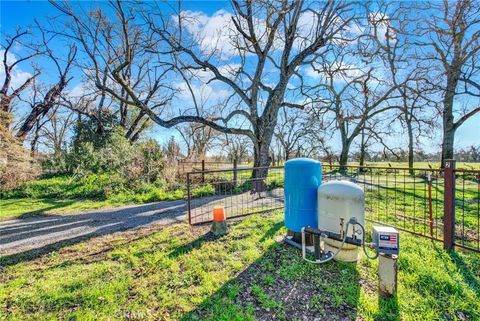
(340, 200)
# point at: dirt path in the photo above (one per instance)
(41, 234)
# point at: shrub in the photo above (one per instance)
(148, 163)
(16, 165)
(55, 164)
(102, 164)
(113, 157)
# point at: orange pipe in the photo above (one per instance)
(219, 214)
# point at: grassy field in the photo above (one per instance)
(183, 273)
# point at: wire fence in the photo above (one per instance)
(433, 203)
(186, 166)
(235, 190)
(467, 209)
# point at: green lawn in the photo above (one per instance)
(182, 273)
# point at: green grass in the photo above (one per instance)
(181, 273)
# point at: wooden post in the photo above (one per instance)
(235, 172)
(449, 205)
(203, 171)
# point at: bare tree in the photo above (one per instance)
(126, 74)
(449, 34)
(172, 149)
(350, 95)
(291, 130)
(41, 107)
(237, 147)
(7, 93)
(279, 43)
(53, 134)
(198, 139)
(265, 35)
(388, 31)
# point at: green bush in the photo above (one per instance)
(114, 156)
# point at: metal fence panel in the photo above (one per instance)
(410, 200)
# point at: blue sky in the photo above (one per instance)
(22, 13)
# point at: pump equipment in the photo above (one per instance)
(332, 214)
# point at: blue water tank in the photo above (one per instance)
(302, 178)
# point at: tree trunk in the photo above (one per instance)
(33, 145)
(343, 161)
(410, 148)
(261, 156)
(362, 150)
(447, 144)
(448, 121)
(30, 122)
(261, 159)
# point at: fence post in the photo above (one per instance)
(189, 200)
(235, 172)
(449, 205)
(203, 171)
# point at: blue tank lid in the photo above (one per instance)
(301, 162)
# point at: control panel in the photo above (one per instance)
(386, 240)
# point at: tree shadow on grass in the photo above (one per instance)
(27, 239)
(53, 205)
(195, 244)
(388, 309)
(465, 271)
(280, 285)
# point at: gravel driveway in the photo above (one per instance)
(43, 233)
(23, 235)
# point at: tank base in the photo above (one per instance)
(349, 253)
(297, 237)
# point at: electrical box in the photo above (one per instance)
(385, 239)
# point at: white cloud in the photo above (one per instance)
(227, 70)
(380, 23)
(212, 33)
(19, 76)
(217, 33)
(202, 92)
(79, 90)
(377, 22)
